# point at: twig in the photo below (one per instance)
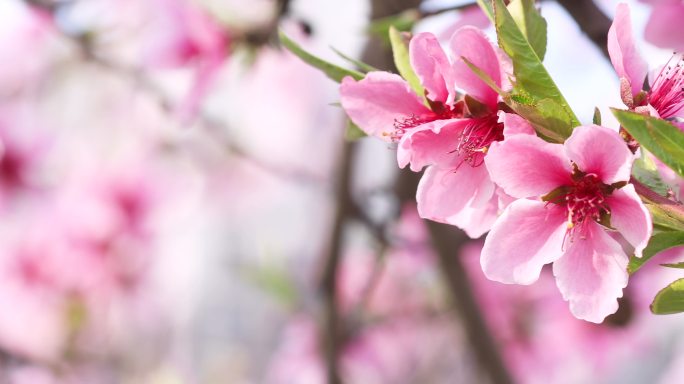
(333, 329)
(216, 129)
(591, 20)
(447, 242)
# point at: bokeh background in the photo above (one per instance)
(179, 203)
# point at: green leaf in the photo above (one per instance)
(333, 71)
(531, 24)
(274, 281)
(664, 217)
(658, 243)
(532, 80)
(353, 132)
(675, 265)
(664, 140)
(402, 62)
(403, 21)
(486, 6)
(359, 64)
(597, 116)
(670, 299)
(548, 118)
(644, 170)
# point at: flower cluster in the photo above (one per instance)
(570, 204)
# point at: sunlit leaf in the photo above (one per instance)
(658, 243)
(670, 299)
(532, 81)
(401, 60)
(664, 140)
(531, 24)
(353, 132)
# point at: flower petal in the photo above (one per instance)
(623, 52)
(526, 236)
(515, 124)
(377, 101)
(527, 166)
(476, 219)
(601, 151)
(443, 193)
(432, 67)
(629, 216)
(431, 143)
(471, 43)
(591, 274)
(664, 28)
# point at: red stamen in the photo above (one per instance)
(476, 138)
(667, 92)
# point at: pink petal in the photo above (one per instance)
(475, 220)
(629, 216)
(601, 151)
(591, 274)
(471, 43)
(528, 235)
(472, 15)
(664, 28)
(443, 193)
(527, 166)
(623, 52)
(430, 143)
(515, 124)
(432, 67)
(377, 101)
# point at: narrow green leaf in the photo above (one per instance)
(359, 64)
(674, 265)
(483, 76)
(333, 71)
(532, 79)
(664, 140)
(658, 243)
(597, 116)
(670, 299)
(353, 132)
(644, 170)
(400, 52)
(531, 24)
(403, 21)
(665, 218)
(486, 6)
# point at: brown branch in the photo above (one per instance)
(591, 20)
(332, 329)
(447, 242)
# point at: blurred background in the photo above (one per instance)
(181, 202)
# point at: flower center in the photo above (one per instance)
(440, 112)
(667, 93)
(476, 138)
(585, 201)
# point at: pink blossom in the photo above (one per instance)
(438, 134)
(665, 99)
(664, 28)
(580, 191)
